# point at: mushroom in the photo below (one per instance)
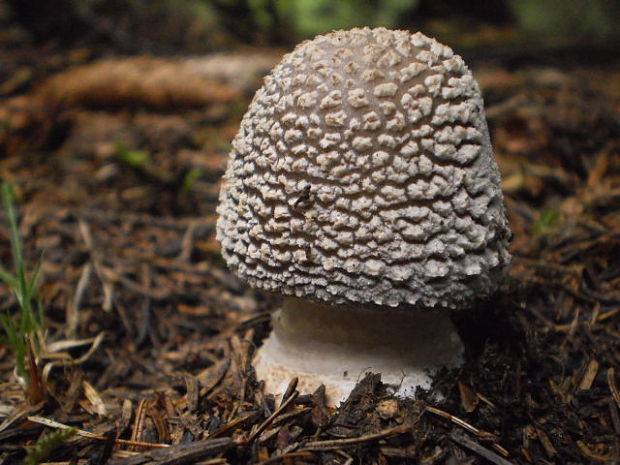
(362, 187)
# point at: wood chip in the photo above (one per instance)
(550, 450)
(611, 374)
(94, 398)
(587, 451)
(589, 376)
(469, 399)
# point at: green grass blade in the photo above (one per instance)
(17, 343)
(8, 277)
(16, 248)
(34, 280)
(27, 325)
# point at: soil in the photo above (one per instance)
(149, 336)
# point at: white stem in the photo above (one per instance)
(336, 346)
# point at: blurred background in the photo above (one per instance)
(198, 26)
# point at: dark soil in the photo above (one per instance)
(149, 337)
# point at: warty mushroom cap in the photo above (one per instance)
(363, 173)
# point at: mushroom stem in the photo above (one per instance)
(321, 344)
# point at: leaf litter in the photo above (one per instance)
(150, 337)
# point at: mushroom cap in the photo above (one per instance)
(363, 173)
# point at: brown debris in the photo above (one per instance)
(469, 399)
(589, 376)
(142, 81)
(150, 338)
(491, 456)
(179, 455)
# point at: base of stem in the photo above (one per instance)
(336, 347)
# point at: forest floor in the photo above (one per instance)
(115, 164)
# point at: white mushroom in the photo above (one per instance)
(362, 186)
